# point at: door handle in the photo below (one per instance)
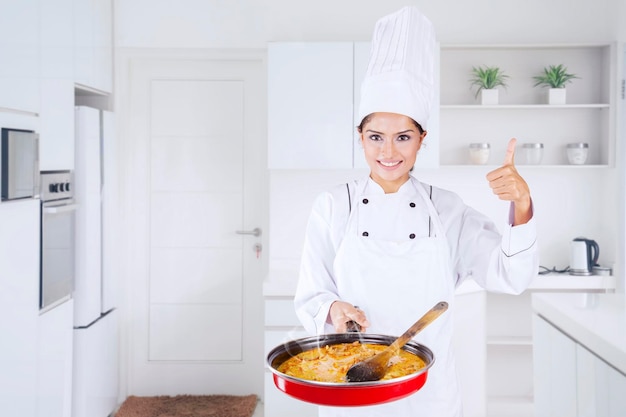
(254, 232)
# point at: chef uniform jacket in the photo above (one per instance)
(395, 256)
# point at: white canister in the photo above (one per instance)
(577, 153)
(479, 153)
(533, 153)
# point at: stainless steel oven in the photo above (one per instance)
(58, 219)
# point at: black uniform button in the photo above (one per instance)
(412, 204)
(412, 236)
(365, 201)
(365, 234)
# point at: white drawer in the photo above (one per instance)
(280, 312)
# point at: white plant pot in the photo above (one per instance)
(489, 96)
(556, 96)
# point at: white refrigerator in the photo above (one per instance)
(95, 363)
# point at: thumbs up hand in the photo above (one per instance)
(509, 157)
(508, 185)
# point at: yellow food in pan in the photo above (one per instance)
(330, 363)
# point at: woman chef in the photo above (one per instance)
(395, 246)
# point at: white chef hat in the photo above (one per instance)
(399, 76)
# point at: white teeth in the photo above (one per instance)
(389, 164)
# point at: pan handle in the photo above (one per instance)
(352, 326)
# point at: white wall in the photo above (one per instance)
(559, 194)
(251, 23)
(619, 19)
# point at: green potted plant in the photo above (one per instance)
(486, 79)
(555, 77)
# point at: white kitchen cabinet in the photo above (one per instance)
(361, 60)
(19, 49)
(75, 46)
(93, 44)
(509, 340)
(19, 306)
(522, 111)
(282, 325)
(570, 380)
(56, 135)
(470, 351)
(56, 83)
(36, 350)
(95, 371)
(310, 105)
(56, 39)
(54, 361)
(555, 371)
(600, 388)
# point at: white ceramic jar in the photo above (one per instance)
(533, 153)
(577, 153)
(479, 153)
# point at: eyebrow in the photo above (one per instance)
(398, 133)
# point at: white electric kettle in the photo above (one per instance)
(584, 255)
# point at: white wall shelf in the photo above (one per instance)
(523, 106)
(523, 111)
(526, 166)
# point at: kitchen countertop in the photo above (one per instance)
(282, 283)
(287, 287)
(596, 321)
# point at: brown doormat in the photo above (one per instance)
(189, 406)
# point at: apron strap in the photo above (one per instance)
(434, 215)
(430, 220)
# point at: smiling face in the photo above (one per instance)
(390, 143)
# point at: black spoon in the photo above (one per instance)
(374, 368)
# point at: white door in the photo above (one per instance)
(195, 158)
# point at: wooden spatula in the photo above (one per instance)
(374, 368)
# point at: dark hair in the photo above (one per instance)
(367, 118)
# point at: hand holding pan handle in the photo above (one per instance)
(352, 326)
